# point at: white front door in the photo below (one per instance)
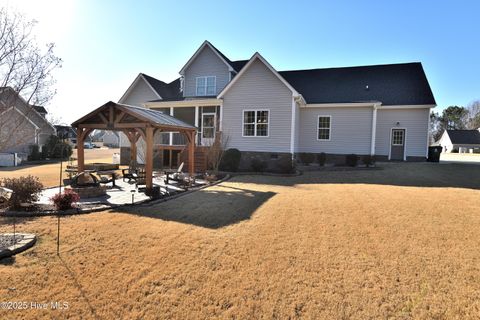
(208, 128)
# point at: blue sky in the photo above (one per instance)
(105, 44)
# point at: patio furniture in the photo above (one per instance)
(174, 174)
(131, 173)
(140, 177)
(107, 177)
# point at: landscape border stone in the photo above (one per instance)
(27, 242)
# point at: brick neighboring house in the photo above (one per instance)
(380, 110)
(21, 124)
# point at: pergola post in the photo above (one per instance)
(80, 150)
(149, 158)
(191, 153)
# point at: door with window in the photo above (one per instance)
(397, 148)
(208, 128)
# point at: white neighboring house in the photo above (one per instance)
(463, 141)
(111, 139)
(21, 124)
(380, 110)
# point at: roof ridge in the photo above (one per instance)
(354, 67)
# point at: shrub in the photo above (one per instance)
(230, 160)
(455, 150)
(56, 149)
(368, 160)
(351, 160)
(322, 158)
(307, 158)
(64, 201)
(258, 165)
(25, 190)
(34, 153)
(285, 165)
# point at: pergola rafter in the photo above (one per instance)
(135, 122)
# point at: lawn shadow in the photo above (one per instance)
(394, 174)
(79, 288)
(7, 261)
(209, 208)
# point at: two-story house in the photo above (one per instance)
(380, 110)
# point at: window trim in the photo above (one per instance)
(329, 128)
(255, 123)
(206, 86)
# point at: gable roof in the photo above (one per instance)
(464, 136)
(167, 91)
(215, 50)
(257, 56)
(391, 84)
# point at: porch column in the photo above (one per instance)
(191, 153)
(80, 150)
(149, 158)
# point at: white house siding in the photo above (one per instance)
(415, 123)
(258, 88)
(139, 94)
(351, 130)
(207, 63)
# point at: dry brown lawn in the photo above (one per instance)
(49, 173)
(397, 243)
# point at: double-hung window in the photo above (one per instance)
(255, 123)
(206, 86)
(324, 127)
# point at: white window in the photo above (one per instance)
(397, 137)
(206, 86)
(255, 123)
(324, 126)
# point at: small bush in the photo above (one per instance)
(368, 160)
(351, 160)
(35, 154)
(307, 158)
(322, 158)
(455, 150)
(25, 190)
(258, 165)
(285, 165)
(64, 201)
(230, 160)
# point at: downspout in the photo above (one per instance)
(374, 128)
(292, 126)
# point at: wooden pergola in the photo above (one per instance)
(135, 122)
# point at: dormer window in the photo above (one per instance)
(206, 86)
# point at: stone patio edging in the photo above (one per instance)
(102, 207)
(27, 242)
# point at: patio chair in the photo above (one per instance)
(175, 175)
(131, 173)
(140, 178)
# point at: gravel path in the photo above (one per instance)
(8, 240)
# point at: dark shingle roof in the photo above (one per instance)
(236, 65)
(167, 91)
(392, 84)
(464, 136)
(39, 109)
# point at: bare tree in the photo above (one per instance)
(216, 150)
(473, 115)
(25, 73)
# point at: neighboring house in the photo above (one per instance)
(21, 124)
(380, 110)
(460, 141)
(111, 139)
(67, 133)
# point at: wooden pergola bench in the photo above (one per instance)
(135, 122)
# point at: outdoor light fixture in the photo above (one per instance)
(133, 195)
(398, 123)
